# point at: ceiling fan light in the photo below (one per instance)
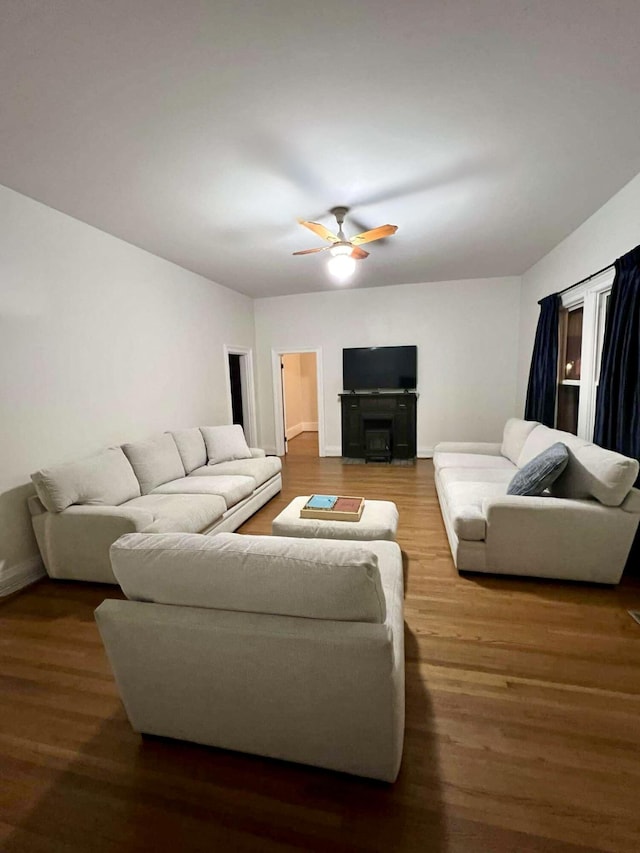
(341, 267)
(341, 249)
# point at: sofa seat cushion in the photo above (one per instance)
(191, 447)
(261, 469)
(181, 513)
(232, 489)
(104, 479)
(155, 461)
(464, 505)
(484, 448)
(475, 475)
(311, 578)
(225, 443)
(471, 460)
(592, 471)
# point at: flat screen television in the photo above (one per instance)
(377, 368)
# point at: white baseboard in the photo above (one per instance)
(13, 578)
(293, 431)
(303, 426)
(334, 450)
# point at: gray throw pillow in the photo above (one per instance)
(540, 472)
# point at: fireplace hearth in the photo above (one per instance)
(379, 426)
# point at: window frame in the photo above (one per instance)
(592, 296)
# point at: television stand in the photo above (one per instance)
(365, 415)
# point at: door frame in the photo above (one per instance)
(248, 388)
(278, 401)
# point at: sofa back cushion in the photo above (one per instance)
(104, 479)
(225, 443)
(595, 472)
(312, 578)
(191, 447)
(592, 471)
(155, 461)
(540, 439)
(516, 432)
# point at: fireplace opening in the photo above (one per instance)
(378, 436)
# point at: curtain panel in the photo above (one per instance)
(617, 424)
(543, 375)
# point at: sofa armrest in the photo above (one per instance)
(127, 516)
(632, 502)
(487, 448)
(36, 507)
(257, 453)
(75, 543)
(557, 537)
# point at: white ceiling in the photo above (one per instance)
(487, 130)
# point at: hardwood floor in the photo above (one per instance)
(523, 719)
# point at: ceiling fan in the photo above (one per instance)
(344, 252)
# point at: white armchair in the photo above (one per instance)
(288, 648)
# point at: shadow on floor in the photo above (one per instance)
(556, 590)
(82, 780)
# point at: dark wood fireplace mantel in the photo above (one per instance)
(371, 420)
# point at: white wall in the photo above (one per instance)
(100, 342)
(466, 333)
(309, 390)
(611, 232)
(300, 392)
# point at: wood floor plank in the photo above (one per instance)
(522, 734)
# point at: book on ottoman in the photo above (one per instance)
(333, 508)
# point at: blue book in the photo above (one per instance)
(321, 501)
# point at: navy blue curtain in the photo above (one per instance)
(543, 375)
(618, 401)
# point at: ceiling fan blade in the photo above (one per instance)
(361, 226)
(320, 230)
(357, 223)
(359, 254)
(311, 251)
(374, 234)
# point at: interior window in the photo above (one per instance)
(573, 344)
(570, 370)
(581, 333)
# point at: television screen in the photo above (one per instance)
(375, 368)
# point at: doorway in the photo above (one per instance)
(235, 378)
(298, 402)
(240, 393)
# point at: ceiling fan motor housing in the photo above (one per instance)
(340, 213)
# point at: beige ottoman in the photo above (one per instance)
(379, 520)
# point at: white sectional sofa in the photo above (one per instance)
(582, 531)
(283, 647)
(199, 480)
